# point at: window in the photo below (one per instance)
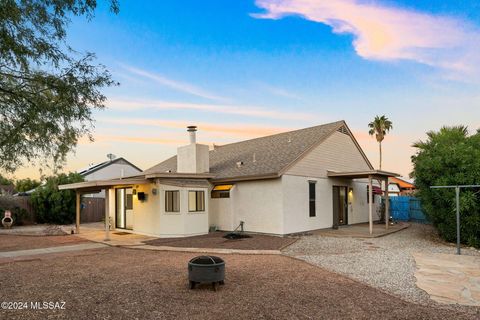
(312, 197)
(129, 201)
(196, 201)
(221, 191)
(172, 201)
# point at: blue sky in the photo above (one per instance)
(241, 69)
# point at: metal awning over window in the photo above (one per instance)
(221, 191)
(223, 187)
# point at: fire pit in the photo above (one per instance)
(206, 269)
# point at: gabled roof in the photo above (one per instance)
(264, 157)
(92, 169)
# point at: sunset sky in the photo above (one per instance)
(243, 69)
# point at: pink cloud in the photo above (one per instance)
(388, 33)
(239, 130)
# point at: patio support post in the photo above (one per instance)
(107, 214)
(370, 205)
(387, 205)
(77, 211)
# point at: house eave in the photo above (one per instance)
(362, 174)
(101, 184)
(246, 178)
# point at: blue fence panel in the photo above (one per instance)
(400, 208)
(404, 208)
(416, 213)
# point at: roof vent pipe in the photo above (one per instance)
(192, 130)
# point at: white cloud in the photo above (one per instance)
(241, 110)
(173, 84)
(389, 33)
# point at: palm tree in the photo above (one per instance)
(379, 127)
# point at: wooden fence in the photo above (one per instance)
(93, 210)
(23, 202)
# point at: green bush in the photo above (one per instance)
(52, 205)
(450, 157)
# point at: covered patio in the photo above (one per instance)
(90, 187)
(381, 177)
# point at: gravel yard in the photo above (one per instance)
(17, 242)
(118, 283)
(384, 262)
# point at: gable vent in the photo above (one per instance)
(343, 130)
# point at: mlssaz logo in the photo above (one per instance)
(47, 305)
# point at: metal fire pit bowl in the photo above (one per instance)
(206, 269)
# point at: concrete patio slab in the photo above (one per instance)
(95, 232)
(449, 278)
(361, 230)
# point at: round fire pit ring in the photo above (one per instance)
(206, 269)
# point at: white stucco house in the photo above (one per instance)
(286, 183)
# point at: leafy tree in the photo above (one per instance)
(450, 157)
(27, 184)
(379, 127)
(47, 90)
(52, 205)
(5, 181)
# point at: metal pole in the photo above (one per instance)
(370, 205)
(457, 194)
(107, 214)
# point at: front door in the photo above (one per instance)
(124, 208)
(340, 206)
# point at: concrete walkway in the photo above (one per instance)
(361, 230)
(32, 252)
(449, 278)
(208, 250)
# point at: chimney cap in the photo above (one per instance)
(192, 128)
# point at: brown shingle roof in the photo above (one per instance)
(265, 156)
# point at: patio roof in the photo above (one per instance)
(101, 184)
(362, 174)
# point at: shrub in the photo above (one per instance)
(450, 157)
(52, 205)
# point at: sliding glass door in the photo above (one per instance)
(340, 206)
(124, 208)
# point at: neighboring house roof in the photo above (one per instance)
(402, 183)
(92, 169)
(268, 156)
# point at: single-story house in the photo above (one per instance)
(291, 182)
(399, 186)
(110, 169)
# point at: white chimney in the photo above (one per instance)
(192, 130)
(193, 158)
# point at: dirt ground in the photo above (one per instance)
(118, 283)
(216, 240)
(17, 242)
